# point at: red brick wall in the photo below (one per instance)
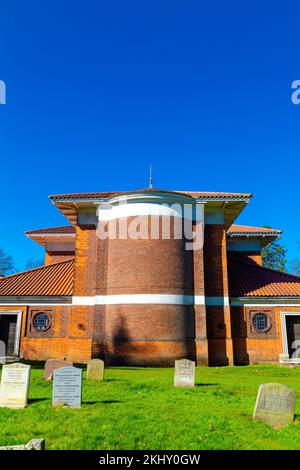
(251, 347)
(149, 266)
(86, 245)
(220, 349)
(254, 256)
(71, 338)
(52, 257)
(201, 341)
(150, 334)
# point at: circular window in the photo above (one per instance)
(260, 322)
(41, 321)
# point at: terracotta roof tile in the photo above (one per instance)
(245, 280)
(195, 194)
(54, 280)
(67, 229)
(252, 280)
(246, 229)
(239, 229)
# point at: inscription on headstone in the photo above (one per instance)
(95, 370)
(67, 385)
(53, 364)
(14, 385)
(275, 405)
(184, 375)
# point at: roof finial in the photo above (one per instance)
(150, 178)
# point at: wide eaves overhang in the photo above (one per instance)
(230, 203)
(263, 237)
(52, 235)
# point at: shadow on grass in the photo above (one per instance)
(36, 365)
(37, 400)
(205, 385)
(102, 402)
(134, 369)
(116, 380)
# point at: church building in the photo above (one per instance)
(148, 276)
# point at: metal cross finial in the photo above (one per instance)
(150, 179)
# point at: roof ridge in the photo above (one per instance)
(263, 268)
(36, 269)
(114, 192)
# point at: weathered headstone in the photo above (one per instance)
(53, 364)
(2, 352)
(284, 358)
(275, 405)
(95, 369)
(184, 375)
(14, 385)
(34, 444)
(67, 385)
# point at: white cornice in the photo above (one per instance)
(34, 300)
(264, 301)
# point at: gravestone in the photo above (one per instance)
(95, 370)
(53, 364)
(184, 375)
(275, 405)
(284, 358)
(14, 385)
(34, 444)
(2, 352)
(67, 385)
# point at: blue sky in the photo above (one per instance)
(97, 90)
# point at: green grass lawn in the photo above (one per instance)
(138, 408)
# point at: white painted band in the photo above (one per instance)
(286, 303)
(167, 299)
(100, 300)
(106, 212)
(217, 301)
(33, 304)
(120, 299)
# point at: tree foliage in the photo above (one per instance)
(6, 264)
(274, 256)
(295, 267)
(33, 262)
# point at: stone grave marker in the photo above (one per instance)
(184, 375)
(2, 352)
(14, 385)
(284, 358)
(53, 364)
(67, 385)
(275, 405)
(95, 370)
(34, 444)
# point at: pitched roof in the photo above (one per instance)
(53, 280)
(195, 194)
(252, 280)
(69, 204)
(246, 229)
(233, 229)
(245, 280)
(66, 229)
